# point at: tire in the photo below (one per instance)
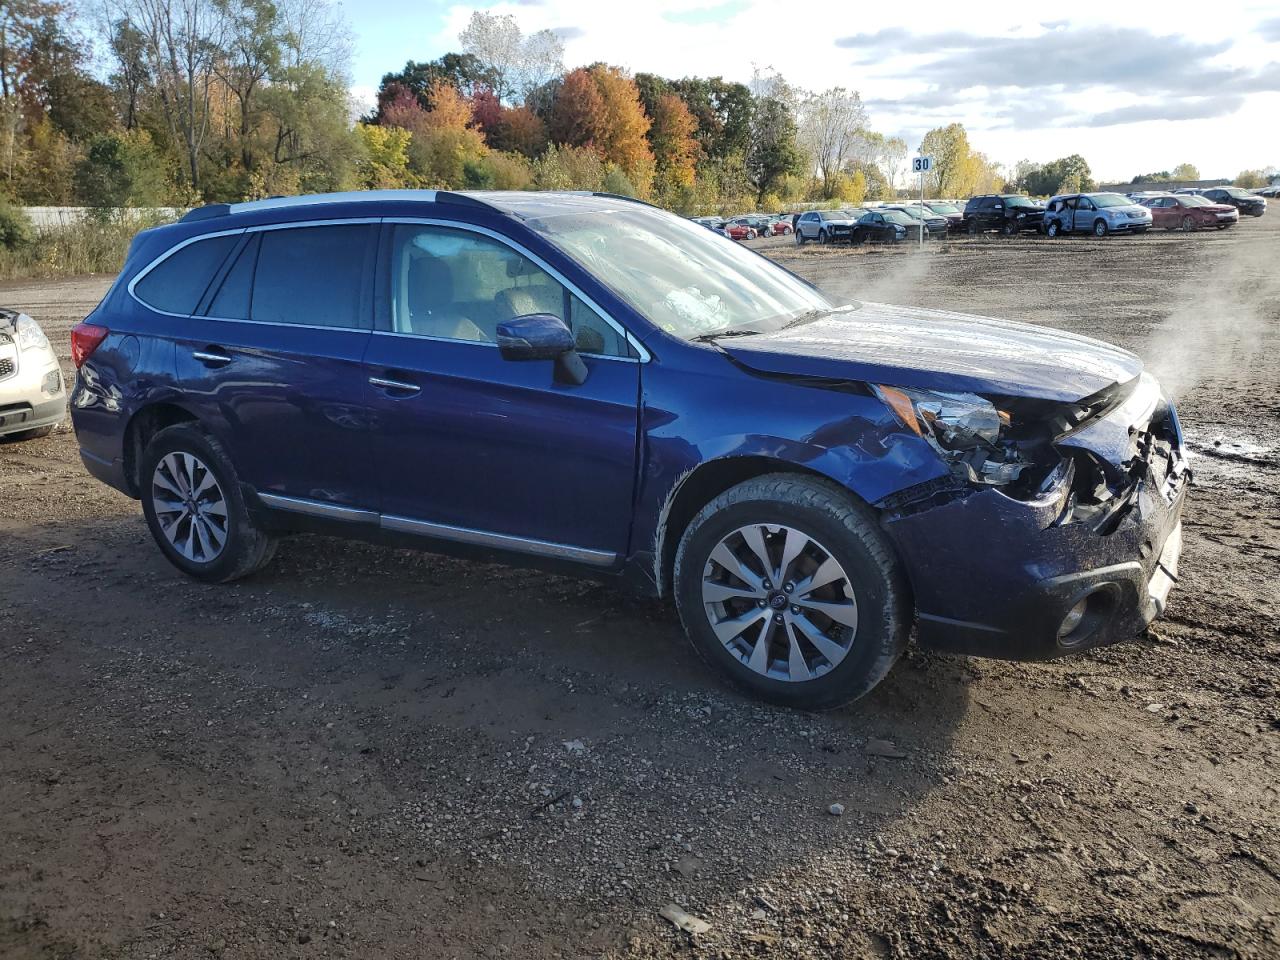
(1188, 223)
(36, 434)
(1009, 228)
(799, 238)
(1052, 229)
(1099, 228)
(971, 228)
(245, 547)
(822, 236)
(834, 526)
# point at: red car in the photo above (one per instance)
(781, 227)
(1183, 211)
(739, 229)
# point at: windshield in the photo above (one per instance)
(1110, 200)
(1195, 201)
(1236, 192)
(688, 281)
(1018, 202)
(897, 216)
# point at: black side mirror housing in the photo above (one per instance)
(542, 336)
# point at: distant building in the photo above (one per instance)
(1160, 185)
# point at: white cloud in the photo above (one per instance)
(1111, 81)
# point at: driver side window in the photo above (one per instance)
(457, 285)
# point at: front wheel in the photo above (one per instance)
(1188, 223)
(789, 588)
(1099, 228)
(192, 501)
(1009, 229)
(822, 236)
(1052, 229)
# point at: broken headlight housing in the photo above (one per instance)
(969, 432)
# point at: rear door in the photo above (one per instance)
(476, 448)
(273, 359)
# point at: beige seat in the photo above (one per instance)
(432, 311)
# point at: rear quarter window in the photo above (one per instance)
(176, 283)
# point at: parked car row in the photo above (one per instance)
(1009, 214)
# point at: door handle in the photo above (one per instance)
(397, 385)
(211, 359)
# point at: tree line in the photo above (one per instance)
(223, 100)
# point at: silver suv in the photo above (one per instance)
(33, 398)
(825, 226)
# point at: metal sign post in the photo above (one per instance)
(922, 165)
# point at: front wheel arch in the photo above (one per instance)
(703, 484)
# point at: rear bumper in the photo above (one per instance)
(110, 472)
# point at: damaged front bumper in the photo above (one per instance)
(1087, 561)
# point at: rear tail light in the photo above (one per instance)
(85, 338)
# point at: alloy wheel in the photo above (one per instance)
(780, 602)
(190, 507)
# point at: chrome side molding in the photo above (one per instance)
(441, 531)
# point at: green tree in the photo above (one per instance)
(1186, 171)
(952, 160)
(122, 170)
(774, 152)
(1250, 179)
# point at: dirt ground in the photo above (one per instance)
(364, 753)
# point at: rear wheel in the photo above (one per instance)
(789, 588)
(192, 501)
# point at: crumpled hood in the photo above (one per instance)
(939, 350)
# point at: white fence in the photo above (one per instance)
(45, 217)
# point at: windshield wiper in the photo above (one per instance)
(807, 317)
(731, 332)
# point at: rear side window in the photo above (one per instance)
(313, 276)
(176, 284)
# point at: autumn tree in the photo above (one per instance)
(671, 135)
(578, 114)
(1186, 171)
(621, 136)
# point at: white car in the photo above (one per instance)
(33, 397)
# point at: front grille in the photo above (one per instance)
(7, 368)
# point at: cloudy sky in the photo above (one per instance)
(1134, 87)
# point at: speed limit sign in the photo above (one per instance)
(921, 164)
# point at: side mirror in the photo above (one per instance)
(542, 336)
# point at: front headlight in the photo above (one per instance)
(966, 430)
(30, 336)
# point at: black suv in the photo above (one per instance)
(1007, 213)
(1242, 200)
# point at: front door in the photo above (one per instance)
(477, 448)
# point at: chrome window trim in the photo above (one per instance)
(440, 531)
(259, 228)
(643, 355)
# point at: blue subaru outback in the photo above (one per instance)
(593, 385)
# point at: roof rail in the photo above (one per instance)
(212, 210)
(621, 196)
